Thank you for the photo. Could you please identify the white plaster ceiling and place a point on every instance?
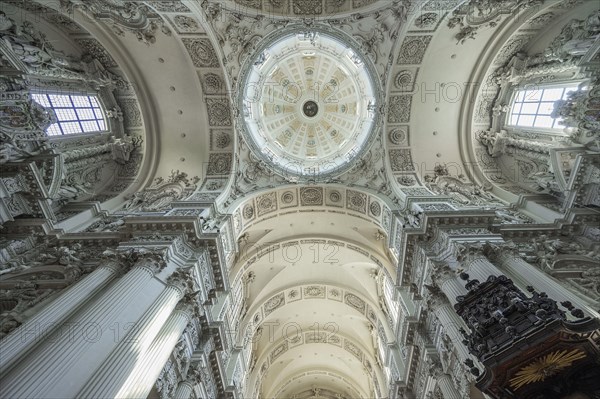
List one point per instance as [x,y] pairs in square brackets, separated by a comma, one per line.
[444,84]
[178,104]
[306,275]
[170,96]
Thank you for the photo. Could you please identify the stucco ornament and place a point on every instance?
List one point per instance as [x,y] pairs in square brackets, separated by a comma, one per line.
[123,16]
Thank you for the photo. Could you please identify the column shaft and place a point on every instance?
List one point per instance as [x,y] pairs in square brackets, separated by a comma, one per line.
[452,288]
[42,324]
[452,323]
[47,365]
[116,368]
[184,390]
[446,385]
[521,271]
[148,368]
[481,268]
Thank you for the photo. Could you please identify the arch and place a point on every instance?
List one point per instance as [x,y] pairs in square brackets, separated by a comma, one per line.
[268,358]
[300,9]
[352,299]
[326,251]
[335,200]
[503,66]
[181,37]
[311,373]
[72,72]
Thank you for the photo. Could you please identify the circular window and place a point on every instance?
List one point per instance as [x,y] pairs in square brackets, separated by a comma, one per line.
[309,104]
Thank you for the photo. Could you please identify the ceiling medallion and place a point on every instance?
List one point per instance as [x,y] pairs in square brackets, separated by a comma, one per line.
[309,103]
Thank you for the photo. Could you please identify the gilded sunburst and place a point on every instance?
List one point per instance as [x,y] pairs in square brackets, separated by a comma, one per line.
[545,366]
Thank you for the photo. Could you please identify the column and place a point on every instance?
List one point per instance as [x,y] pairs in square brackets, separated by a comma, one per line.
[452,323]
[441,302]
[111,375]
[445,278]
[481,268]
[148,368]
[184,390]
[526,274]
[453,288]
[42,324]
[48,364]
[444,381]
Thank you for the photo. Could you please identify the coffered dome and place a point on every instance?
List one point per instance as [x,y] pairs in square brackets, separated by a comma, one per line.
[308,104]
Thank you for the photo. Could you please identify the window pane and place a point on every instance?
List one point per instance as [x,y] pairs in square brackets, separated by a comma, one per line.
[41,99]
[517,108]
[60,101]
[514,119]
[101,124]
[568,90]
[533,95]
[546,108]
[70,127]
[85,113]
[98,112]
[526,120]
[529,108]
[80,101]
[90,126]
[53,130]
[94,102]
[544,121]
[66,114]
[552,94]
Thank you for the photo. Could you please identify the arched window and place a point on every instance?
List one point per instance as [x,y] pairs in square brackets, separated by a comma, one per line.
[76,114]
[532,107]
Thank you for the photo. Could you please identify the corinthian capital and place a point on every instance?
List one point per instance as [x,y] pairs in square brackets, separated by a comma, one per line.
[120,261]
[189,305]
[434,298]
[492,250]
[182,280]
[153,260]
[441,272]
[495,250]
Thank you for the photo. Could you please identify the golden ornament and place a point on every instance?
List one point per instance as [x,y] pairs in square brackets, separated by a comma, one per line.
[545,366]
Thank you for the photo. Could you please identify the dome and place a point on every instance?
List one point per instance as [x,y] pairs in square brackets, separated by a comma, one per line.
[308,103]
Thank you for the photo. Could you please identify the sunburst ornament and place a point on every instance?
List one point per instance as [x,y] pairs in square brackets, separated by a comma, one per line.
[545,366]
